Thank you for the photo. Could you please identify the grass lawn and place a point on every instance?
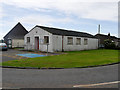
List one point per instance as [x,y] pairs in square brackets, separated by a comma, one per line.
[72,59]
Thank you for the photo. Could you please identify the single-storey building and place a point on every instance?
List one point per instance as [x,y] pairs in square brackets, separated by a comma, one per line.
[15,37]
[53,39]
[103,37]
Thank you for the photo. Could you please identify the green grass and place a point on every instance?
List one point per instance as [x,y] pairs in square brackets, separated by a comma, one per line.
[72,59]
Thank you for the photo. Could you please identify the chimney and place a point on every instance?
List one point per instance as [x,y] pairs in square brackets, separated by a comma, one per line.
[109,34]
[99,29]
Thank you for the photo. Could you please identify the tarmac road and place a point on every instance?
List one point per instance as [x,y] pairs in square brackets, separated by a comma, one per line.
[60,78]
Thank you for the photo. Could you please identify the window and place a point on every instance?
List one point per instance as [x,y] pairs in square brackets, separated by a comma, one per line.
[70,41]
[78,41]
[28,39]
[46,39]
[85,41]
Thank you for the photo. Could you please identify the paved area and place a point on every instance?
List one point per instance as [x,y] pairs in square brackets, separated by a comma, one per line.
[60,78]
[31,55]
[11,54]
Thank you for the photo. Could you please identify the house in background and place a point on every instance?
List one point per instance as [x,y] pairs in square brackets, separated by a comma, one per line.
[103,37]
[53,39]
[15,37]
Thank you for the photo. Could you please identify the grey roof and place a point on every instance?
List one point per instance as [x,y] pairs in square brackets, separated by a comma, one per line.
[56,31]
[105,36]
[17,32]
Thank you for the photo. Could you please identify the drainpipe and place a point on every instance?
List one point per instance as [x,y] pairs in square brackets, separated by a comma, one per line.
[62,43]
[98,43]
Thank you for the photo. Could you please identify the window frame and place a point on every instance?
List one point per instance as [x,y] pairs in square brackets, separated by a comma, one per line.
[47,42]
[86,43]
[68,43]
[28,39]
[79,41]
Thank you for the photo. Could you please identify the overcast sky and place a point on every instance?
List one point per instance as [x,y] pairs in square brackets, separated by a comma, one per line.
[67,14]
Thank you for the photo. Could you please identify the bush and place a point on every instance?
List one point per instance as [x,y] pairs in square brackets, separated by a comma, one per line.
[108,44]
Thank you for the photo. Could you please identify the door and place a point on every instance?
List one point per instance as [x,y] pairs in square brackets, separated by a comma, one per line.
[36,43]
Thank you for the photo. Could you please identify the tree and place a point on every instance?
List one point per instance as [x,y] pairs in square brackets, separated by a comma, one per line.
[1,41]
[109,44]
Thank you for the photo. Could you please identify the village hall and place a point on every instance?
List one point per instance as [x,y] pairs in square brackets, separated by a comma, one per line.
[53,39]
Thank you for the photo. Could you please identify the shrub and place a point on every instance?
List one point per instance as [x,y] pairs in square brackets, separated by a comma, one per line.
[109,44]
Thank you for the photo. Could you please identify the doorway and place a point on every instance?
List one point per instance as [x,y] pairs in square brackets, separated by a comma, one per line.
[36,43]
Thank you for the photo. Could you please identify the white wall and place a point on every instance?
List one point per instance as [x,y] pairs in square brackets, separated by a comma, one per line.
[57,43]
[40,33]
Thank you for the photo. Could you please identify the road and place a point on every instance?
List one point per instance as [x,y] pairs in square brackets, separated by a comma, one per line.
[60,78]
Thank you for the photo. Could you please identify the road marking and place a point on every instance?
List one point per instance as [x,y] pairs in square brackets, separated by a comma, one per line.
[90,85]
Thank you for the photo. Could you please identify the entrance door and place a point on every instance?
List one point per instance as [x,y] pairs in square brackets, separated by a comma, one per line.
[36,43]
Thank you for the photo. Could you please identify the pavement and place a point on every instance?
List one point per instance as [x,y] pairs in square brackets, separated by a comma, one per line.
[60,78]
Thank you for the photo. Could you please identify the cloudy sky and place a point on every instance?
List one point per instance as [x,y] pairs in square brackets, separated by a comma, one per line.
[78,15]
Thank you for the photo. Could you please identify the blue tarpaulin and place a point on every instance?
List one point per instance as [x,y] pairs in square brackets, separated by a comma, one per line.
[30,55]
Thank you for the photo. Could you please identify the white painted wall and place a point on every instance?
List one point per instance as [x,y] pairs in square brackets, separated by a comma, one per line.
[55,42]
[40,33]
[17,43]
